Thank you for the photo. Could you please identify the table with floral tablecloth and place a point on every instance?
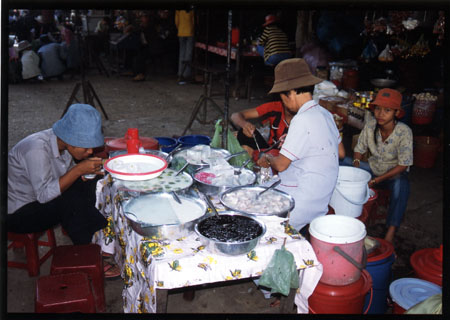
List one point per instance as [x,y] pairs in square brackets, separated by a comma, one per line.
[149,265]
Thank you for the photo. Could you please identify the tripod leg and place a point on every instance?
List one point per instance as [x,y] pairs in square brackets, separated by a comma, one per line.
[72,97]
[194,114]
[98,100]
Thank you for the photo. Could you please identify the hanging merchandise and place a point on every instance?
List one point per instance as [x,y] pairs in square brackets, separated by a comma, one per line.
[410,23]
[419,49]
[439,28]
[386,55]
[370,51]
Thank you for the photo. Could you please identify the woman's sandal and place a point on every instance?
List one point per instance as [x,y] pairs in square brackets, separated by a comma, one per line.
[111,271]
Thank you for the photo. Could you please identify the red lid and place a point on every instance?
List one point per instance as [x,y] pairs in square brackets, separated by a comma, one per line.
[427,260]
[361,286]
[121,143]
[385,250]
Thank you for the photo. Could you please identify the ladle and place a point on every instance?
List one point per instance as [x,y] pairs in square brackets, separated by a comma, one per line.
[273,185]
[182,168]
[238,171]
[210,204]
[172,152]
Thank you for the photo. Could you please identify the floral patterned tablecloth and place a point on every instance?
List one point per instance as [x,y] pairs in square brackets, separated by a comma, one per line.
[150,264]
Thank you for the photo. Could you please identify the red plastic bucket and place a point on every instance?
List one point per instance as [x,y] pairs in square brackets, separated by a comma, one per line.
[338,242]
[427,264]
[364,217]
[423,111]
[370,205]
[425,151]
[341,299]
[121,143]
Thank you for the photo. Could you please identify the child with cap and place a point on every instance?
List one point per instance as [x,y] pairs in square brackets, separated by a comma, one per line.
[391,153]
[45,184]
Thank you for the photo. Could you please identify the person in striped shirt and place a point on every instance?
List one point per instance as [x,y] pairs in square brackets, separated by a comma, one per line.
[273,43]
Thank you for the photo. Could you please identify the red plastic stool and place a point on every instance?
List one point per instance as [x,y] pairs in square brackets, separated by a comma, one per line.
[31,243]
[383,197]
[82,258]
[64,293]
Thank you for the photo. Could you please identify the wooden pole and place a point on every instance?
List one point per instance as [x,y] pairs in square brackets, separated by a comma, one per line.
[227,84]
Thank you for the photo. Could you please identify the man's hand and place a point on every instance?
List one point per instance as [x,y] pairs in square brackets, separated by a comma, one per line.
[248,129]
[90,166]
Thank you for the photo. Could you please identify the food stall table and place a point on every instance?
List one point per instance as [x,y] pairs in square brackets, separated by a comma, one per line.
[151,267]
[236,54]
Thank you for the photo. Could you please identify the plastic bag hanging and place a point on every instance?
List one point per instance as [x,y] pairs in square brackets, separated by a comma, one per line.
[281,273]
[233,145]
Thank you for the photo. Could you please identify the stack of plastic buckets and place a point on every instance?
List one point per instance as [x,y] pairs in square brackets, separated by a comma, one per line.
[427,264]
[379,265]
[338,242]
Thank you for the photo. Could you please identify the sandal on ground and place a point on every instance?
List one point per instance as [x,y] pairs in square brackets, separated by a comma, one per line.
[276,303]
[139,77]
[111,271]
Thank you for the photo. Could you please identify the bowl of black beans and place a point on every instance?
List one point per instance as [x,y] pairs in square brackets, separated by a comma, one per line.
[230,233]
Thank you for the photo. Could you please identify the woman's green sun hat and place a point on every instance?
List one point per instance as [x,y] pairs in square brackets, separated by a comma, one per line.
[81,126]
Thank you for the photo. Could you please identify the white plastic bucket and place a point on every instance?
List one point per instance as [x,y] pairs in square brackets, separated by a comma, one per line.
[333,238]
[351,191]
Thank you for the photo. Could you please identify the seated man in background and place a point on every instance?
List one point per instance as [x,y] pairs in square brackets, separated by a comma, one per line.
[46,186]
[273,43]
[274,113]
[52,57]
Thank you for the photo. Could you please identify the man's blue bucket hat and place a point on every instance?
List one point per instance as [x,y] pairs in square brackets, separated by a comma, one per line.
[81,127]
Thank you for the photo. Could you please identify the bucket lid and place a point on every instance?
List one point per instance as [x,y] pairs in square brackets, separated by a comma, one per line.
[384,250]
[121,143]
[427,260]
[337,229]
[408,292]
[357,288]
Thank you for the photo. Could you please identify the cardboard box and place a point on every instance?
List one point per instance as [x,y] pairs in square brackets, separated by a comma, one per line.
[329,103]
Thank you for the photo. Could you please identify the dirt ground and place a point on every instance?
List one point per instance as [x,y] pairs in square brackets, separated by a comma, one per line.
[161,107]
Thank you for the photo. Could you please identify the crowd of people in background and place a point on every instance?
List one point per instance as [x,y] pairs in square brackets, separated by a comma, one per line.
[52,35]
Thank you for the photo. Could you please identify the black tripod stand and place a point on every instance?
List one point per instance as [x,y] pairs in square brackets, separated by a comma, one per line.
[88,90]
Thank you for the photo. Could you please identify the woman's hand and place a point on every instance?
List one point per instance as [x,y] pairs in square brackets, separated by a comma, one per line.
[372,182]
[248,129]
[263,161]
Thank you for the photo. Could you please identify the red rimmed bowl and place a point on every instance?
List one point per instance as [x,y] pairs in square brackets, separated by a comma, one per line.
[135,167]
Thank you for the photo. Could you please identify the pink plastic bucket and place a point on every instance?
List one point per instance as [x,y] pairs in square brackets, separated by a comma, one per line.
[338,242]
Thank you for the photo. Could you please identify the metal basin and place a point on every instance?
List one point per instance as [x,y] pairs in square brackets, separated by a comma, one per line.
[182,153]
[166,182]
[251,210]
[229,248]
[213,190]
[163,231]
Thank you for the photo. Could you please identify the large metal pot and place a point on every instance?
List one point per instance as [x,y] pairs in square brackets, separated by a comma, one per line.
[229,248]
[213,190]
[163,231]
[250,211]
